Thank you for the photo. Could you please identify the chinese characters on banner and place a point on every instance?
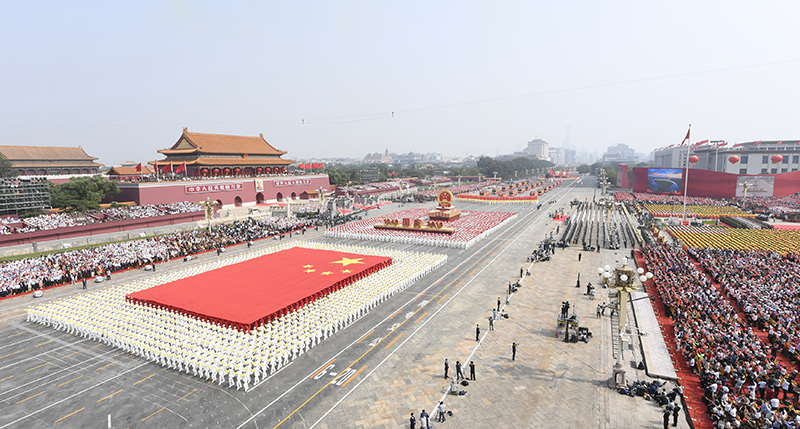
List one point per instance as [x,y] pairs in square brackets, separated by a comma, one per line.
[217,187]
[293,182]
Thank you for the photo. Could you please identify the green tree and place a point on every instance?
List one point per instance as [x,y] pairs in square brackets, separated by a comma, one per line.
[584,168]
[6,170]
[336,176]
[82,194]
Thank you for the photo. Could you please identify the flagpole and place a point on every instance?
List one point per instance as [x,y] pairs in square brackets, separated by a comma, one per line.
[686,176]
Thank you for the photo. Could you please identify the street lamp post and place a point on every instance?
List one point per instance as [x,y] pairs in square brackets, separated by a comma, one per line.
[622,279]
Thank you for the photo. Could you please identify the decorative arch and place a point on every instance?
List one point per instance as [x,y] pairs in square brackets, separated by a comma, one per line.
[279,197]
[237,201]
[259,198]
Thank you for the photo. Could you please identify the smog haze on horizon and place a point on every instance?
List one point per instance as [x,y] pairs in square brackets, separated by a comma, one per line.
[343,79]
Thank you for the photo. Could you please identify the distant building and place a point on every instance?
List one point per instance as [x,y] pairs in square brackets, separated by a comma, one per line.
[221,155]
[50,160]
[562,156]
[128,173]
[753,157]
[383,158]
[539,149]
[620,153]
[369,175]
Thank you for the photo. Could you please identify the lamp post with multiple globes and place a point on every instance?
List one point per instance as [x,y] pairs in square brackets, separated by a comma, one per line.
[622,279]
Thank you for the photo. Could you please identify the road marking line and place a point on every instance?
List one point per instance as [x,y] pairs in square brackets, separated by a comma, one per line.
[151,415]
[354,375]
[48,363]
[391,353]
[254,415]
[398,310]
[120,390]
[96,345]
[7,378]
[98,369]
[440,299]
[14,335]
[70,414]
[365,336]
[11,354]
[322,367]
[73,354]
[70,381]
[186,395]
[143,379]
[420,317]
[46,342]
[459,283]
[473,271]
[395,339]
[19,402]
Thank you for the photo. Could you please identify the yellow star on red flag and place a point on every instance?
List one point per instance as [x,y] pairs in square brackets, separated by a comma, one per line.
[327,273]
[346,271]
[308,266]
[347,261]
[310,270]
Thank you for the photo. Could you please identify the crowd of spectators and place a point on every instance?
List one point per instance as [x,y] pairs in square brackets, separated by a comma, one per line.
[151,210]
[744,384]
[12,224]
[765,285]
[641,197]
[58,268]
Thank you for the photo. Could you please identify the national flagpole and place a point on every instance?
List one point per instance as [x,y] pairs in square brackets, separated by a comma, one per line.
[686,175]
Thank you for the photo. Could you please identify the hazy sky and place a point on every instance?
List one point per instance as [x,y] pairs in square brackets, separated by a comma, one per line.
[123,78]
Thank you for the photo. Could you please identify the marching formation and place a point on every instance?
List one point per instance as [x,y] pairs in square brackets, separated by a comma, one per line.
[221,353]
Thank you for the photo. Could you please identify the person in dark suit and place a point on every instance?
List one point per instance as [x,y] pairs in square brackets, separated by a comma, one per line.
[472,370]
[446,367]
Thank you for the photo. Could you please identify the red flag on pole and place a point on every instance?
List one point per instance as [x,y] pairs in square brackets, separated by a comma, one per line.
[167,168]
[757,143]
[780,142]
[181,168]
[139,168]
[321,165]
[722,144]
[699,143]
[685,139]
[301,166]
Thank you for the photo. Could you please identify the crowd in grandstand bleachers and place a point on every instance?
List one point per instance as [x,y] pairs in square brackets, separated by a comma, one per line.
[152,210]
[11,225]
[53,269]
[745,385]
[641,197]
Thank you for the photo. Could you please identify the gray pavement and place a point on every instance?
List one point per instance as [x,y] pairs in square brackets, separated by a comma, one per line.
[374,372]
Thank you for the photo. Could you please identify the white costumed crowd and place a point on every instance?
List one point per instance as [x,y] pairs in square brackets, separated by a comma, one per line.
[222,354]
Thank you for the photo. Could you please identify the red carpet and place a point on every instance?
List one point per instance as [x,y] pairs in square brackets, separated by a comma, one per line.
[250,293]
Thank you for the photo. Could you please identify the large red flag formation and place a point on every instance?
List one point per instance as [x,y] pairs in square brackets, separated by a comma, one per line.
[305,275]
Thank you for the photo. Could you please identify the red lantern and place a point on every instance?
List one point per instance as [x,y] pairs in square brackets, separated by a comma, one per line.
[776,159]
[693,159]
[734,159]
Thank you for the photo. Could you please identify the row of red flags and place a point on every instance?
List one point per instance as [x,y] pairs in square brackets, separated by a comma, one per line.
[307,165]
[166,169]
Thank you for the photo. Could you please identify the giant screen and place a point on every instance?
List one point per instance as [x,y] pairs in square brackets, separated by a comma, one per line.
[664,180]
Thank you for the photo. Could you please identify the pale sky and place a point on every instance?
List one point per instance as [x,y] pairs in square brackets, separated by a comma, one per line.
[122,79]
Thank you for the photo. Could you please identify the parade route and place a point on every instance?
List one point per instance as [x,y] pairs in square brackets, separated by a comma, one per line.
[375,371]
